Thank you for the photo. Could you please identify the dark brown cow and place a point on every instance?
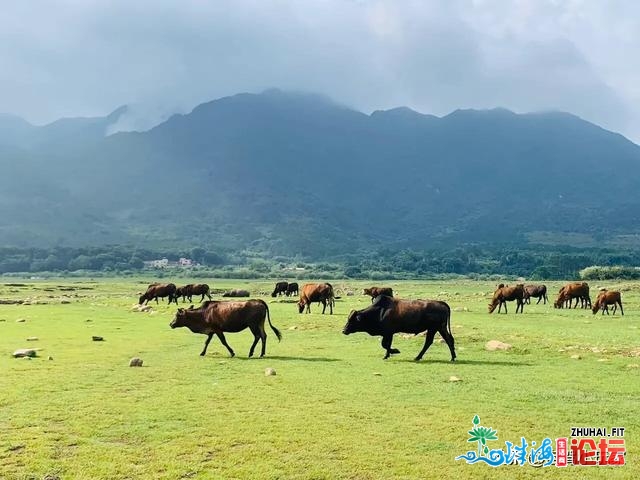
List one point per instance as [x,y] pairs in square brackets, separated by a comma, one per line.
[159,290]
[536,291]
[236,293]
[316,292]
[292,289]
[388,315]
[373,292]
[214,317]
[187,291]
[281,288]
[504,294]
[575,290]
[606,298]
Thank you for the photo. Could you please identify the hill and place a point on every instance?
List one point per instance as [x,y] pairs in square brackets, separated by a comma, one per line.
[297,174]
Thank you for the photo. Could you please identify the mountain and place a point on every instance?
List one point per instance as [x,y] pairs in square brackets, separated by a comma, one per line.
[298,174]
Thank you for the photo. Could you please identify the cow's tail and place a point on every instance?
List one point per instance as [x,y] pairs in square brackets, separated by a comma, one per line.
[332,295]
[275,330]
[449,320]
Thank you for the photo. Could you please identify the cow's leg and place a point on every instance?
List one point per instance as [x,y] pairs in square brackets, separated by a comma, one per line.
[539,298]
[386,344]
[263,336]
[331,306]
[521,305]
[157,300]
[224,342]
[206,344]
[505,306]
[309,307]
[427,343]
[450,341]
[621,311]
[324,306]
[208,295]
[256,336]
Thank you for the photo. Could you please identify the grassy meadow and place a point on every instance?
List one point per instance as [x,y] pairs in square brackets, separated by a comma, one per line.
[335,409]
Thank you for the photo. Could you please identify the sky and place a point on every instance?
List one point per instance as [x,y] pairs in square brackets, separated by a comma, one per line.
[86,57]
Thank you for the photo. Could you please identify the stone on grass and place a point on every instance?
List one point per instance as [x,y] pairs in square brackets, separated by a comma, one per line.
[453,378]
[576,357]
[293,327]
[97,338]
[493,345]
[377,374]
[268,372]
[49,357]
[24,352]
[135,362]
[32,339]
[20,320]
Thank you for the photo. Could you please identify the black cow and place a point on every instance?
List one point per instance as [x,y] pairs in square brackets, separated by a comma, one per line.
[388,315]
[281,288]
[292,289]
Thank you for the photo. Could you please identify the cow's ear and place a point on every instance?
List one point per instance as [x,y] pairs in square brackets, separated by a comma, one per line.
[190,307]
[181,310]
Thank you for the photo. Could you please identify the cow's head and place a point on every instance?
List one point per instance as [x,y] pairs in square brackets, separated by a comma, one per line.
[493,305]
[366,291]
[369,319]
[142,298]
[301,305]
[180,319]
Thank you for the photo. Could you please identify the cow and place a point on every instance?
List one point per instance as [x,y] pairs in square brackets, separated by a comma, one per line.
[215,317]
[504,294]
[387,316]
[537,291]
[292,289]
[187,291]
[159,290]
[606,298]
[316,292]
[236,293]
[577,290]
[373,292]
[281,288]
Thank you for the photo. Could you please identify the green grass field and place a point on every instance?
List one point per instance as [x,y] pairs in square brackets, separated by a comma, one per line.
[334,410]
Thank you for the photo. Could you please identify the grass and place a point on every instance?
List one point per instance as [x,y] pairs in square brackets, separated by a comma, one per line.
[334,410]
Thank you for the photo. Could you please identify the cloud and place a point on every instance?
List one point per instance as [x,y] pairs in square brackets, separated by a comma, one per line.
[71,58]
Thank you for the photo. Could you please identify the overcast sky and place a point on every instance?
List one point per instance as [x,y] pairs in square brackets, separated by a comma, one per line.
[87,57]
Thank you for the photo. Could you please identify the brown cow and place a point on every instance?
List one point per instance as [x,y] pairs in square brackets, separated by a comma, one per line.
[316,292]
[606,298]
[281,287]
[292,289]
[504,294]
[214,317]
[236,293]
[373,292]
[187,291]
[159,290]
[536,291]
[577,290]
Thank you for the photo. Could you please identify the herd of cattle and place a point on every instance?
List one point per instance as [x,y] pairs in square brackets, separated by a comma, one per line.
[384,317]
[578,291]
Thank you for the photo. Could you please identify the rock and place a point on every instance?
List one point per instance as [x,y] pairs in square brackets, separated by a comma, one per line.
[576,357]
[65,302]
[20,320]
[603,359]
[24,352]
[88,320]
[49,357]
[268,372]
[453,378]
[293,327]
[32,339]
[633,365]
[135,362]
[96,338]
[3,319]
[350,294]
[493,345]
[377,374]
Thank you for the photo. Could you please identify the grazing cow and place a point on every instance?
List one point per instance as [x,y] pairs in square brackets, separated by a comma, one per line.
[292,289]
[537,291]
[373,292]
[236,293]
[159,290]
[281,288]
[504,294]
[188,291]
[214,317]
[606,298]
[388,315]
[577,290]
[316,292]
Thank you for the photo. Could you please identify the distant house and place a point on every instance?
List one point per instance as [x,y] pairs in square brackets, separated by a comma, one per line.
[162,263]
[186,262]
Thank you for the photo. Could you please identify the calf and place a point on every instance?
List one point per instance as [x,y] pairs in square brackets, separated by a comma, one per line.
[292,289]
[606,298]
[504,294]
[373,292]
[536,291]
[387,316]
[214,317]
[316,292]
